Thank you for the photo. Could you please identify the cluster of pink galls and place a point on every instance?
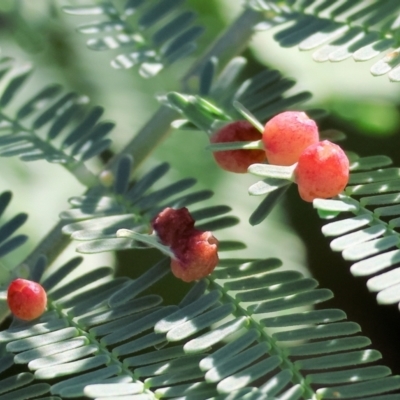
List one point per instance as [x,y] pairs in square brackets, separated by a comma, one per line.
[322,169]
[195,251]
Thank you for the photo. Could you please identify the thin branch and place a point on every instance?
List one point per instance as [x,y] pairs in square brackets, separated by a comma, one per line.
[229,44]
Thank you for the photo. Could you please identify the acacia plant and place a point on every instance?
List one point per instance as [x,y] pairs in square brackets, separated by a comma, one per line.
[257,327]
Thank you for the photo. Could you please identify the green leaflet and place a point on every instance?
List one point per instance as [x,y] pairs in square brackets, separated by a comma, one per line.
[201,389]
[36,329]
[348,376]
[15,382]
[197,324]
[131,307]
[226,352]
[68,368]
[66,357]
[137,326]
[173,352]
[42,340]
[346,225]
[51,349]
[37,389]
[113,389]
[305,317]
[329,330]
[364,250]
[188,312]
[205,341]
[248,375]
[360,236]
[173,367]
[234,364]
[387,384]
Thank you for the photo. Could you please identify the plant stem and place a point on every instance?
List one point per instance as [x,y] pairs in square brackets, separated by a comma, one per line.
[51,246]
[230,43]
[83,174]
[287,363]
[147,138]
[77,168]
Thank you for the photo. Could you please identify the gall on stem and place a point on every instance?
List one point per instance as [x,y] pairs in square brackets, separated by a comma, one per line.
[286,135]
[26,299]
[237,160]
[322,171]
[196,252]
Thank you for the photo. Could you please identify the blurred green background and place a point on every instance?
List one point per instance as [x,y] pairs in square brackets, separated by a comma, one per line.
[364,107]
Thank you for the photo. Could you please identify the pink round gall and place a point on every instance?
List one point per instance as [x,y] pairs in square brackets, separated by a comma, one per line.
[286,135]
[237,160]
[26,299]
[195,251]
[196,257]
[322,171]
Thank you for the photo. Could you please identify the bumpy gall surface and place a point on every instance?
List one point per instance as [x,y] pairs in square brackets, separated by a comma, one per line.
[26,299]
[286,135]
[195,251]
[322,171]
[171,224]
[196,257]
[237,160]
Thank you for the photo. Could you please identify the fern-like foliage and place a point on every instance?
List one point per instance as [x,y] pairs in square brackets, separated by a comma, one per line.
[152,35]
[118,217]
[263,95]
[9,242]
[367,232]
[257,99]
[371,237]
[337,30]
[52,125]
[107,338]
